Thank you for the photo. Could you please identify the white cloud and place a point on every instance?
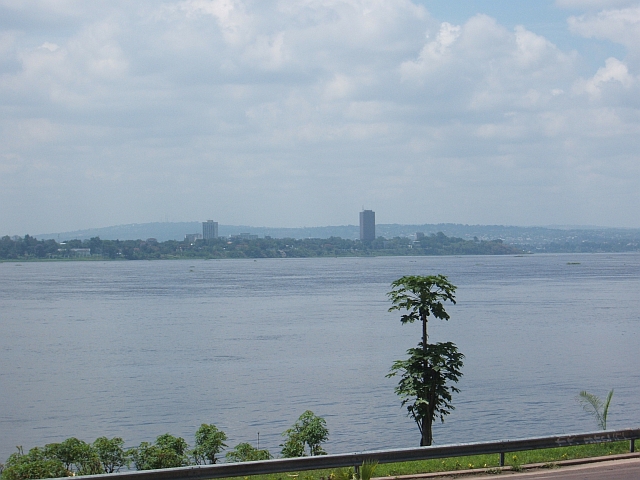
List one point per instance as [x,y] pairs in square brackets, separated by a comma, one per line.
[96,51]
[594,4]
[72,74]
[432,55]
[311,102]
[340,86]
[485,66]
[535,52]
[620,25]
[52,47]
[614,72]
[230,15]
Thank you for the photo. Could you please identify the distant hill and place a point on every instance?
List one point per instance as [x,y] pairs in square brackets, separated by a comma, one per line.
[163,231]
[541,239]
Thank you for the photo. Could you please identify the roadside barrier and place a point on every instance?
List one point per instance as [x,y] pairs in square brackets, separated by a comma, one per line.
[282,465]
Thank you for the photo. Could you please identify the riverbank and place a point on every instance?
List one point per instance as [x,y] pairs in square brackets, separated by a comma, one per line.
[30,248]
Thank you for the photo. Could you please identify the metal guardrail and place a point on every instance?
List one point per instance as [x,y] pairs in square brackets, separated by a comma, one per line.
[282,465]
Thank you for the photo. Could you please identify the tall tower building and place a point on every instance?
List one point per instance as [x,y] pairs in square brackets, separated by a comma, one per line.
[209,229]
[367,225]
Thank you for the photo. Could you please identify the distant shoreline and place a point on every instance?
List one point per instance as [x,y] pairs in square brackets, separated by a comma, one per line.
[246,246]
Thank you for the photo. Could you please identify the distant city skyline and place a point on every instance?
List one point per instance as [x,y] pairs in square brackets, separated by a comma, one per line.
[477,112]
[353,225]
[512,234]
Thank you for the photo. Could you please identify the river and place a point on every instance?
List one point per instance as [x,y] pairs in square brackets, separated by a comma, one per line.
[138,349]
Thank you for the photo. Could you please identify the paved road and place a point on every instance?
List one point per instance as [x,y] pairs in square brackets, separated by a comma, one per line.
[611,470]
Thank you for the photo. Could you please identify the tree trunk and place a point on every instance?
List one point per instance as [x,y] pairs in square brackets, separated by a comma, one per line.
[423,317]
[427,436]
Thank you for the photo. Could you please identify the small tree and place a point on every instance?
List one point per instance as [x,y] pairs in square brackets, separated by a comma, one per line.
[309,430]
[111,453]
[245,452]
[76,455]
[596,407]
[35,464]
[209,443]
[167,452]
[425,384]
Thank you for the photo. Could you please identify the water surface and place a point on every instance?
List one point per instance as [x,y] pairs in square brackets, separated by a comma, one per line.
[137,349]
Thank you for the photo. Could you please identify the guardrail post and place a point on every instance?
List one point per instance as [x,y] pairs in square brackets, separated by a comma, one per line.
[357,471]
[632,445]
[502,459]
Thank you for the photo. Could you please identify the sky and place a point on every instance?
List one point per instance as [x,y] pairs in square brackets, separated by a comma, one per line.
[302,112]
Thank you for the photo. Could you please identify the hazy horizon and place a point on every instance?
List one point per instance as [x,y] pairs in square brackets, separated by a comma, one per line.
[303,112]
[52,234]
[178,229]
[560,227]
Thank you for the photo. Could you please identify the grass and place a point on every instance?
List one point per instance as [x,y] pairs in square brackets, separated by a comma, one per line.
[515,459]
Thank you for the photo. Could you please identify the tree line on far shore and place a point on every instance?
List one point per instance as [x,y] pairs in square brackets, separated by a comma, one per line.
[30,248]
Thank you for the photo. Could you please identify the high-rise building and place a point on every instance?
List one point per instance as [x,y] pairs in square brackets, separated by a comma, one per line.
[209,229]
[367,225]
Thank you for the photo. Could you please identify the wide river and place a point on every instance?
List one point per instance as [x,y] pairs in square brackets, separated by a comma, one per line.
[137,349]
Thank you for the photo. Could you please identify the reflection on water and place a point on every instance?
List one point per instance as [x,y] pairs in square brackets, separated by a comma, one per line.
[137,349]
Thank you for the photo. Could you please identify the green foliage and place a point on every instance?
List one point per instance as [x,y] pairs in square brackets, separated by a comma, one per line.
[175,444]
[292,447]
[425,383]
[515,463]
[167,452]
[596,407]
[309,430]
[542,456]
[111,453]
[34,464]
[485,463]
[421,297]
[347,473]
[30,468]
[238,247]
[76,455]
[366,471]
[425,377]
[245,452]
[209,443]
